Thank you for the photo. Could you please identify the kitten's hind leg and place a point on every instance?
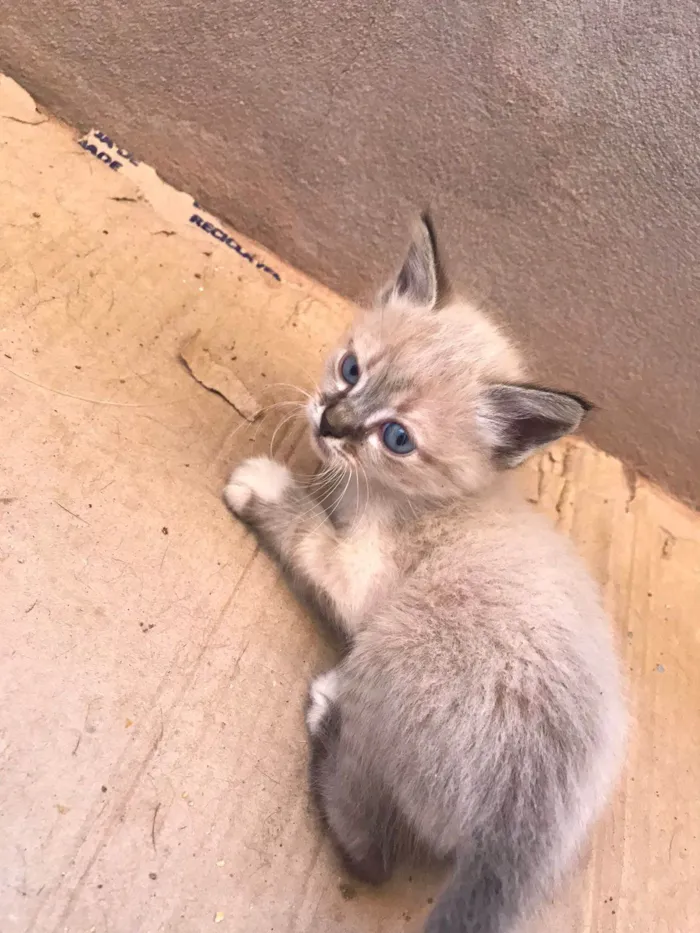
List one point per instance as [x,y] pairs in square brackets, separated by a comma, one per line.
[322,711]
[356,817]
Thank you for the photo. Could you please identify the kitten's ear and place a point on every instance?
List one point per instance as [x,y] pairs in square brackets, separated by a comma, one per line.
[420,282]
[517,419]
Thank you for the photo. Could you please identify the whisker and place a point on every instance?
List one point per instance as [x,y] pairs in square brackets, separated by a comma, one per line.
[318,503]
[322,468]
[328,515]
[317,479]
[287,385]
[268,411]
[309,377]
[358,520]
[294,414]
[260,420]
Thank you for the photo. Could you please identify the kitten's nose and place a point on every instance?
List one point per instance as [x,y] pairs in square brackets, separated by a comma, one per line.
[330,425]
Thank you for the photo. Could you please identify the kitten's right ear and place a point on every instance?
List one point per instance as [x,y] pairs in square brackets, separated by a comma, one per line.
[420,282]
[516,420]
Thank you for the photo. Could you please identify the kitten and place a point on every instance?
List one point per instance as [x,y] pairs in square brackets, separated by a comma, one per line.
[477,712]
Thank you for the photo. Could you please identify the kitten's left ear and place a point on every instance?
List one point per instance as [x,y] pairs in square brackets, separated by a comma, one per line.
[420,282]
[516,420]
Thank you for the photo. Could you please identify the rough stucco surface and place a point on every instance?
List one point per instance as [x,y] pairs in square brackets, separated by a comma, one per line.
[558,144]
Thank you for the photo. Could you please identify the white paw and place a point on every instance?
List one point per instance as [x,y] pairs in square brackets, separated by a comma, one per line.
[259,478]
[323,693]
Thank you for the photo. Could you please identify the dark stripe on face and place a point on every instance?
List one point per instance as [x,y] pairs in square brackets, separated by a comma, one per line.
[352,411]
[380,392]
[438,465]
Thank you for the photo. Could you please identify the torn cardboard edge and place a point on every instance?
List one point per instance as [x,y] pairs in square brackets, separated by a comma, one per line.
[207,369]
[177,207]
[183,215]
[17,105]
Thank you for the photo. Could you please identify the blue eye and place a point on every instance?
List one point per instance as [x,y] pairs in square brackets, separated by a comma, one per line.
[350,369]
[397,438]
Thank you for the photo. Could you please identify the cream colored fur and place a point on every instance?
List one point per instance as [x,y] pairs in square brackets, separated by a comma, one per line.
[477,712]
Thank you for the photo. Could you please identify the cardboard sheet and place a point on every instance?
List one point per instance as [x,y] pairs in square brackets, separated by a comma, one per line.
[153,665]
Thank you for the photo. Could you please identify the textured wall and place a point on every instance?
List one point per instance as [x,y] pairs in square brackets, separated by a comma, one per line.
[558,143]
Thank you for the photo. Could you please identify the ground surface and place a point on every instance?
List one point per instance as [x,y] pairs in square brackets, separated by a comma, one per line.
[152,664]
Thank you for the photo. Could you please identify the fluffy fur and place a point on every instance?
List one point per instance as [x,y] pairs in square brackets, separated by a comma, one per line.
[476,714]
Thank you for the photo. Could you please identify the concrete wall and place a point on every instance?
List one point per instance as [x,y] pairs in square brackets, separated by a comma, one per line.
[558,143]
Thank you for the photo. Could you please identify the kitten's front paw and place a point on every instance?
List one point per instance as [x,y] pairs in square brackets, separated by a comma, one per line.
[258,479]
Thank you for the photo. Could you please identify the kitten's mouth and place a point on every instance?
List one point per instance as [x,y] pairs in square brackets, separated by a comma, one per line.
[322,446]
[313,412]
[327,448]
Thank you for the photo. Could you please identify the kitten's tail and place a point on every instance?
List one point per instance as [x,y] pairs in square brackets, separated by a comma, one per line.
[491,889]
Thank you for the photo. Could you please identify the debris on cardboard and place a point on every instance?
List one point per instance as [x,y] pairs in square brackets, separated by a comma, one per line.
[210,372]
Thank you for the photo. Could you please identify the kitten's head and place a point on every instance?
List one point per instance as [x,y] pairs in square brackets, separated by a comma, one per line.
[425,397]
